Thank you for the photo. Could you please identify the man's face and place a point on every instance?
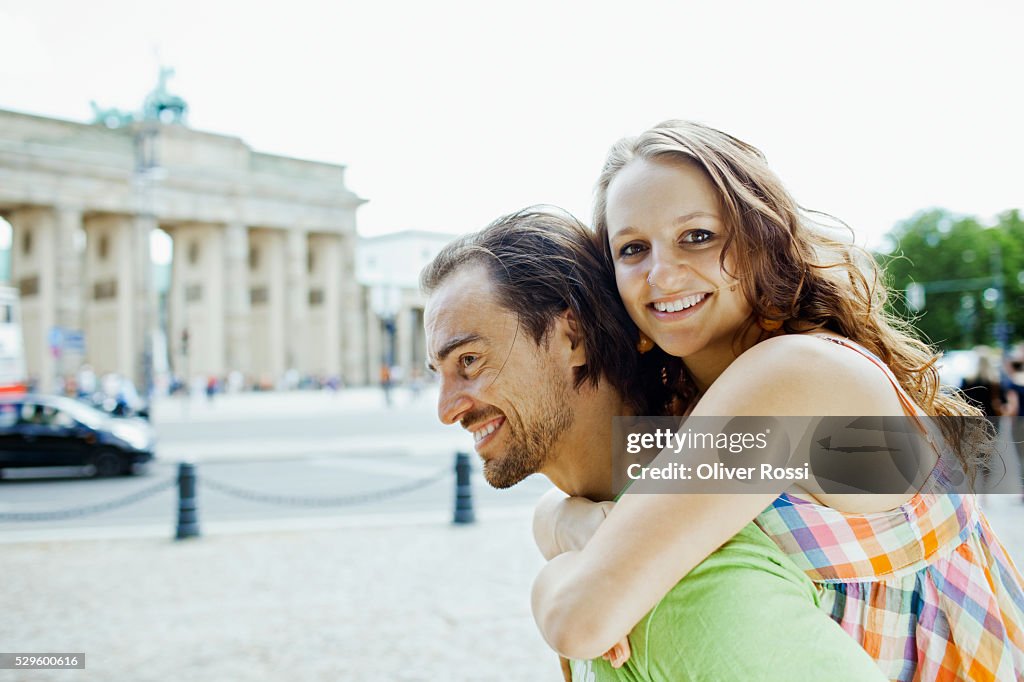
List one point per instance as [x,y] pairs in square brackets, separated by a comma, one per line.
[512,394]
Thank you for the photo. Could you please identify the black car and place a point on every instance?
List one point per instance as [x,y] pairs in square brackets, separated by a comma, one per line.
[44,430]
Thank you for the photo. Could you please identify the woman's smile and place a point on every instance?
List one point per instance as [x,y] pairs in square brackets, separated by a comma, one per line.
[678,308]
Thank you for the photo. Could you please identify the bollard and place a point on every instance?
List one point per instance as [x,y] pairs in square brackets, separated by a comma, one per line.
[188,517]
[463,490]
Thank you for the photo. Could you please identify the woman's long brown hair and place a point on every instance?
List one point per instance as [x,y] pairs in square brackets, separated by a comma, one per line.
[797,268]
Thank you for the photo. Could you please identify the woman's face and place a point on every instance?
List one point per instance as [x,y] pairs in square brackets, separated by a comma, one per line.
[666,233]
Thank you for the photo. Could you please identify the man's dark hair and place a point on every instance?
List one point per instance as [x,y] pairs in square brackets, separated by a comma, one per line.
[542,262]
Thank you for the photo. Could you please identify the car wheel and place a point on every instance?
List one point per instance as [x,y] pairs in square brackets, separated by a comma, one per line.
[106,463]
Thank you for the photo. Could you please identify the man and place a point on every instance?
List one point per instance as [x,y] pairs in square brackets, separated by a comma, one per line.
[535,357]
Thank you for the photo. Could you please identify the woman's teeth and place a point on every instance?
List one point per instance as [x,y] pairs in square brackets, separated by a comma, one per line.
[679,304]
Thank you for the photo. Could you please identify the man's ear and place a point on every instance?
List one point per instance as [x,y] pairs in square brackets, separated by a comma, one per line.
[569,326]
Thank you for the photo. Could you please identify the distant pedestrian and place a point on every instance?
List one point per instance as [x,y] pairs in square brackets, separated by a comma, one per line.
[385,382]
[1015,402]
[86,381]
[211,388]
[984,388]
[416,382]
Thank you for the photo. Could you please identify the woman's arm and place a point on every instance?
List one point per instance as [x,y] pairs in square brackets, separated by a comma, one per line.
[586,601]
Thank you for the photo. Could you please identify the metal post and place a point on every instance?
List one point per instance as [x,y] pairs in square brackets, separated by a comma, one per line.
[188,516]
[463,490]
[1002,326]
[147,171]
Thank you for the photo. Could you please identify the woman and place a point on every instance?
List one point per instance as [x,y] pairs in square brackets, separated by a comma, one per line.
[984,388]
[1015,403]
[745,307]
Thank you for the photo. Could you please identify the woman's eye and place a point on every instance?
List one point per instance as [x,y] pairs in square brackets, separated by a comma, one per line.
[698,236]
[631,250]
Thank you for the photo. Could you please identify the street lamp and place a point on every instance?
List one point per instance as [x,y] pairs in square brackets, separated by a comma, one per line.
[385,301]
[1002,326]
[146,173]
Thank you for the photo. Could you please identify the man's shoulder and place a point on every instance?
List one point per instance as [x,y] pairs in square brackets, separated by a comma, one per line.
[699,613]
[745,610]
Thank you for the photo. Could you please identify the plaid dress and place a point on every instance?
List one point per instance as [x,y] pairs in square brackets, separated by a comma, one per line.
[926,588]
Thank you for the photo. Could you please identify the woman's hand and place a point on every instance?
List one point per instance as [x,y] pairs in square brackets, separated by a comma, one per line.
[566,524]
[618,654]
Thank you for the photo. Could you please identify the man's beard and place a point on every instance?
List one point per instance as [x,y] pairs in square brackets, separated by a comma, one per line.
[529,445]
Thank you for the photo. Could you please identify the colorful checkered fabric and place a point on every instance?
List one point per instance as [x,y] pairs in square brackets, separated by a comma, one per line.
[926,588]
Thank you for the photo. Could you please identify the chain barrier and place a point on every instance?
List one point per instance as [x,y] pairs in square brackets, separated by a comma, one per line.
[75,512]
[234,491]
[336,501]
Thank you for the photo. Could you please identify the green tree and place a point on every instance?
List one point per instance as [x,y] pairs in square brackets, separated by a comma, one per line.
[955,258]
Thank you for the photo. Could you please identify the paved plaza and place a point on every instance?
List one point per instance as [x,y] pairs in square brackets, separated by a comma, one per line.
[376,597]
[404,602]
[399,600]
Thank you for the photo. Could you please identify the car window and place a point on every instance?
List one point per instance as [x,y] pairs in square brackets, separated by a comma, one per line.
[45,415]
[32,413]
[63,420]
[8,415]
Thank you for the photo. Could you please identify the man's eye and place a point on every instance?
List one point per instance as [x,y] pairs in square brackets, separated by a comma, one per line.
[698,236]
[631,250]
[467,360]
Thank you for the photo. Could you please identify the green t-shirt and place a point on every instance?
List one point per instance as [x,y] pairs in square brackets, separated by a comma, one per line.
[745,613]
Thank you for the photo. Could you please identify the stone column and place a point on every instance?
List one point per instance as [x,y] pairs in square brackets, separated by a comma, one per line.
[70,255]
[109,276]
[330,250]
[236,292]
[71,261]
[34,271]
[199,271]
[296,265]
[354,319]
[404,336]
[277,319]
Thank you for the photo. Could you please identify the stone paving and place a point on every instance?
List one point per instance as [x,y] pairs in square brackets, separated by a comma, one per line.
[408,602]
[407,599]
[418,601]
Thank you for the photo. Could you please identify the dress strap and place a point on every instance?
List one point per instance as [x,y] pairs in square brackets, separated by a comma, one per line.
[909,408]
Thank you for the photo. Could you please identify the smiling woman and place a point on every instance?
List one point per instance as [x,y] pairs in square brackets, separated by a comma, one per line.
[754,309]
[672,272]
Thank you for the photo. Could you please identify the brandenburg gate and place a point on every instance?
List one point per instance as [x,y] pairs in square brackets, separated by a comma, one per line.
[262,277]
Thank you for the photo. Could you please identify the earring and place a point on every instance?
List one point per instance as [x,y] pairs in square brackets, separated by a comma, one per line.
[768,324]
[644,343]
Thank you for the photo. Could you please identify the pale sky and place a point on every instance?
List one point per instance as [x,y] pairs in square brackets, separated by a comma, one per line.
[449,114]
